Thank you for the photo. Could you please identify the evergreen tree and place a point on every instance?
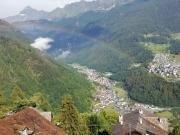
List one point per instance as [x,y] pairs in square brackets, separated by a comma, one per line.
[83,128]
[18,99]
[103,122]
[3,107]
[71,120]
[176,131]
[2,98]
[94,124]
[18,95]
[108,118]
[40,101]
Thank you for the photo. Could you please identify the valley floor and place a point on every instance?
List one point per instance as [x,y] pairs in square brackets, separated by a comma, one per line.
[109,93]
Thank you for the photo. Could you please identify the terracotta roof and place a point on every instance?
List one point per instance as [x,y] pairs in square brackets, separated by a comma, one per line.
[28,119]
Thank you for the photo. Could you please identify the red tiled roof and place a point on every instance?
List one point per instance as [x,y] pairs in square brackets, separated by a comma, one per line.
[30,119]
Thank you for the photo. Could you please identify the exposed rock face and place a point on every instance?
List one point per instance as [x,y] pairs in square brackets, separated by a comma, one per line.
[164,65]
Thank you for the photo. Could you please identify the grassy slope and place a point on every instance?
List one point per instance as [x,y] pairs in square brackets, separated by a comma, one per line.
[157,48]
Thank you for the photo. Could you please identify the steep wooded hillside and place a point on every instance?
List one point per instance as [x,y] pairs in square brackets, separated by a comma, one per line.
[33,72]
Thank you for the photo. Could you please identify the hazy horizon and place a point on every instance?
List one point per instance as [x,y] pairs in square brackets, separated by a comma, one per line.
[13,7]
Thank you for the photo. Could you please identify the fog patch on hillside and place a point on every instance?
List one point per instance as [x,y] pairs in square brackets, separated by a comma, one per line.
[43,44]
[63,55]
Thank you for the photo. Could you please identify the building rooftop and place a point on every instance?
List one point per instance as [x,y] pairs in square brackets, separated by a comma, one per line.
[28,122]
[142,122]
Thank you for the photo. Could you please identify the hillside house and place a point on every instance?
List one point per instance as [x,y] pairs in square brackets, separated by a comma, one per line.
[47,115]
[141,122]
[28,122]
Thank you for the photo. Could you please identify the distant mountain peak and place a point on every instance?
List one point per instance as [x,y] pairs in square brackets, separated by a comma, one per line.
[2,22]
[27,9]
[28,13]
[70,10]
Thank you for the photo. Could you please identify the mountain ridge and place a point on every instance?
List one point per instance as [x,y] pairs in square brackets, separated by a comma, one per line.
[70,10]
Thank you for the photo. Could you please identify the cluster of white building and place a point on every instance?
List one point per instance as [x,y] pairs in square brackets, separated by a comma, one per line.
[105,95]
[103,98]
[164,65]
[93,76]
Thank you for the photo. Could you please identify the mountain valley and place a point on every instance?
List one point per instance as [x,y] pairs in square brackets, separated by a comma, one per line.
[101,59]
[116,40]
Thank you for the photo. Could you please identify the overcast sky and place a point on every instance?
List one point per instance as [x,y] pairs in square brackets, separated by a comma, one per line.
[12,7]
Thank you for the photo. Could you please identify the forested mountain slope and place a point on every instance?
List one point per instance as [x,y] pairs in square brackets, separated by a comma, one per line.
[33,72]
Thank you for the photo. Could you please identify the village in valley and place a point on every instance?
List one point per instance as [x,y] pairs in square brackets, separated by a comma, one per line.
[90,67]
[133,116]
[107,93]
[165,66]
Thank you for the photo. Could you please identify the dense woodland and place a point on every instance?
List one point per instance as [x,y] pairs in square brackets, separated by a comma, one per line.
[138,81]
[175,47]
[34,72]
